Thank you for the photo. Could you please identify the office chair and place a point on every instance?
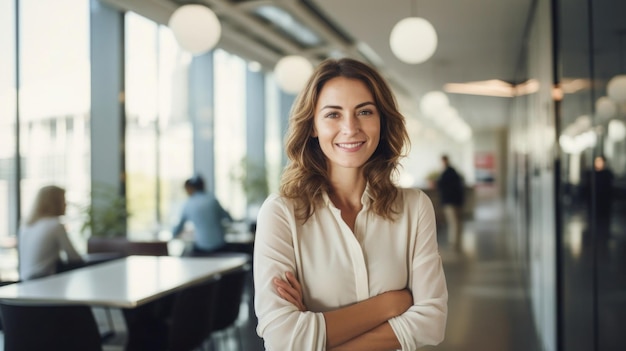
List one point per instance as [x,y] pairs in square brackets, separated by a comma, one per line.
[47,327]
[191,320]
[230,292]
[3,283]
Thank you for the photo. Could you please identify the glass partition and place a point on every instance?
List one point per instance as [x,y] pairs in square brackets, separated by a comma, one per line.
[230,131]
[159,155]
[8,181]
[54,103]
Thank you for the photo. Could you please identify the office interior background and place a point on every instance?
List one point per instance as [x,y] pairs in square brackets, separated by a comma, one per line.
[97,96]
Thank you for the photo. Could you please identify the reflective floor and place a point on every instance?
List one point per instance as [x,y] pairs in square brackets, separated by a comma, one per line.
[488,309]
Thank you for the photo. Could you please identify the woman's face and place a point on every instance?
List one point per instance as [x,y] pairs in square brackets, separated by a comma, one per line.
[346,122]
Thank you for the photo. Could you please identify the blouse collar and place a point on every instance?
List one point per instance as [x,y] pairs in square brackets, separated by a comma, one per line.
[366,198]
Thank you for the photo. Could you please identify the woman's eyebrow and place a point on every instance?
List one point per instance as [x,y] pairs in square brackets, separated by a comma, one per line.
[339,107]
[364,104]
[336,107]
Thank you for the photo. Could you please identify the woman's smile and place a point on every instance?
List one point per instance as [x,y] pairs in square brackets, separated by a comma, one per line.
[355,146]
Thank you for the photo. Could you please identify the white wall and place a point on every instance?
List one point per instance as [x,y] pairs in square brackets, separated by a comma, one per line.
[427,146]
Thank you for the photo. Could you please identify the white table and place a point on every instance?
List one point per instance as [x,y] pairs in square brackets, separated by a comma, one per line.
[123,283]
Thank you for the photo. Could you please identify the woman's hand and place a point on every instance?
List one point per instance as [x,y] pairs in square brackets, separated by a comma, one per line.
[290,290]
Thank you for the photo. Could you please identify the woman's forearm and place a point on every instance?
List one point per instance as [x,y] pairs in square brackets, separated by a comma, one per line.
[381,338]
[349,322]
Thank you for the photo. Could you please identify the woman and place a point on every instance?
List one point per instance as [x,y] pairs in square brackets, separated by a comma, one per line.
[344,259]
[43,237]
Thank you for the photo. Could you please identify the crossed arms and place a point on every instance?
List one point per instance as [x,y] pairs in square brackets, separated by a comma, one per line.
[361,326]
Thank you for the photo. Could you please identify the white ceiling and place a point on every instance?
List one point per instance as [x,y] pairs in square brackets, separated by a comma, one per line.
[477,40]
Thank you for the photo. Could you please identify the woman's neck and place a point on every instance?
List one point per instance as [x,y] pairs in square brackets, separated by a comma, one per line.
[347,189]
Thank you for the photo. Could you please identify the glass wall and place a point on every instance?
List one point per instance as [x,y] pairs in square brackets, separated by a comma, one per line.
[532,186]
[175,151]
[8,140]
[592,52]
[568,189]
[54,103]
[158,132]
[48,122]
[230,131]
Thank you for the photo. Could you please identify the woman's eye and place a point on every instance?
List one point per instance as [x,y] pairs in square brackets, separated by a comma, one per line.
[365,112]
[332,115]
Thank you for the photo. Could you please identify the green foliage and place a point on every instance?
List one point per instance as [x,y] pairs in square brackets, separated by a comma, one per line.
[107,214]
[251,175]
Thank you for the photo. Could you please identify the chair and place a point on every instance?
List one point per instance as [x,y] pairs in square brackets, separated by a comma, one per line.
[46,327]
[230,293]
[3,283]
[191,321]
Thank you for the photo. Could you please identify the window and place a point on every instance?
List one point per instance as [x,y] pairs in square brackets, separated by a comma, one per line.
[7,120]
[230,130]
[54,102]
[159,155]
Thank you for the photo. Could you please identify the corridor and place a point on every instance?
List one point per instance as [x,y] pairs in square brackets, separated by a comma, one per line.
[488,308]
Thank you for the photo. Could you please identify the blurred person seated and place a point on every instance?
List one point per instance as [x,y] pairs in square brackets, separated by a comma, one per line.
[207,216]
[43,240]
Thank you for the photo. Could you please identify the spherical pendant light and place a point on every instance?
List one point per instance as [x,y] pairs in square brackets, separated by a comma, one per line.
[196,28]
[433,102]
[605,107]
[413,40]
[616,88]
[292,73]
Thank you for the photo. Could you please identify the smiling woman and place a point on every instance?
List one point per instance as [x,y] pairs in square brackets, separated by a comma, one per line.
[346,124]
[345,259]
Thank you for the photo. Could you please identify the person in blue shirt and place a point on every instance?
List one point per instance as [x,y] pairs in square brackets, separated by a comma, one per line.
[207,216]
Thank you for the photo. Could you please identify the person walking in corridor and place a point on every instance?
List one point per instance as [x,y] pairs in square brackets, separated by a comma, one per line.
[451,189]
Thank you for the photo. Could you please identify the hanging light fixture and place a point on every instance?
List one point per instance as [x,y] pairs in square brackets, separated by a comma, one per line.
[616,88]
[196,28]
[292,72]
[434,102]
[606,107]
[413,40]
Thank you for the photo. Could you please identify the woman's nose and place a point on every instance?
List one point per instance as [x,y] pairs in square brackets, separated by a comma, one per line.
[351,125]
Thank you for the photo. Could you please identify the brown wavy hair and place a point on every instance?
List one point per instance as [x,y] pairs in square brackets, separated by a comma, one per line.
[306,176]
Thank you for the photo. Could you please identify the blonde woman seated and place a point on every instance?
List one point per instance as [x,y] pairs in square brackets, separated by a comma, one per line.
[344,259]
[43,237]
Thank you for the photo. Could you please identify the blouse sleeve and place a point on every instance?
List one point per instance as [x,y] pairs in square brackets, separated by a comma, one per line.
[281,324]
[66,245]
[425,322]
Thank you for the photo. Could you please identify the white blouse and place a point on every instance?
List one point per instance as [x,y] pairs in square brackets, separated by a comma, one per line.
[40,246]
[337,268]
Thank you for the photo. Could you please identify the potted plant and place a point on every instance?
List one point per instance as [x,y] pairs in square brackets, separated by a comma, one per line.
[252,177]
[106,215]
[105,220]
